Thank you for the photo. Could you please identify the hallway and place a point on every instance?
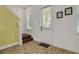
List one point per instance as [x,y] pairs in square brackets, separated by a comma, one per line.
[51,24]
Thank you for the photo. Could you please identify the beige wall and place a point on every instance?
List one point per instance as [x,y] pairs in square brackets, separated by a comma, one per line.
[8,27]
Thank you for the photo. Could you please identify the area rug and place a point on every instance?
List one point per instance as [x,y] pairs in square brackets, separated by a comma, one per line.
[44,45]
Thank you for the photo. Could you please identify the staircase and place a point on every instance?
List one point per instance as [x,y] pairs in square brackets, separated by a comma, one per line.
[26,38]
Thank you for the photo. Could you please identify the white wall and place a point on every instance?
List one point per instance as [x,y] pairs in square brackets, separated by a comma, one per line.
[62,32]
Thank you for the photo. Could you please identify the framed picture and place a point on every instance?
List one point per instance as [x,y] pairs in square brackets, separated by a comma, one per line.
[68,11]
[59,14]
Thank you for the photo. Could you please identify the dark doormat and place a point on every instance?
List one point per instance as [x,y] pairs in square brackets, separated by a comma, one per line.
[44,45]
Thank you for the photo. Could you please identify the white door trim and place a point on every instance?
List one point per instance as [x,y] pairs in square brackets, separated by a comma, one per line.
[20,32]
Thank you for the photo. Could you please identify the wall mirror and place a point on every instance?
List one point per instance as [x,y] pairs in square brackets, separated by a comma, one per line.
[28,12]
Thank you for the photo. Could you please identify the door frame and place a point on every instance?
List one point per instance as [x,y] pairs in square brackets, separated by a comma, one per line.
[20,32]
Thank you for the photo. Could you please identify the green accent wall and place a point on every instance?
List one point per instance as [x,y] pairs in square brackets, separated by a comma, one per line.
[8,27]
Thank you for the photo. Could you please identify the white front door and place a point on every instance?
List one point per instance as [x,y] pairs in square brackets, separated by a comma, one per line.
[46,25]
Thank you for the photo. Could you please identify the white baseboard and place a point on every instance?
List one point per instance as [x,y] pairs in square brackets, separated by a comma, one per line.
[7,46]
[72,50]
[35,39]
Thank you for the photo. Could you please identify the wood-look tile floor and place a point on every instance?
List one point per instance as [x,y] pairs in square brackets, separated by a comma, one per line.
[32,47]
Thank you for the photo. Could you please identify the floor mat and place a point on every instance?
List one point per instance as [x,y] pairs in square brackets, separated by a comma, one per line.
[44,45]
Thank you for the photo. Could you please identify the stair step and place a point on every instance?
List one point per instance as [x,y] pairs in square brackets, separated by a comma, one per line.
[23,35]
[26,38]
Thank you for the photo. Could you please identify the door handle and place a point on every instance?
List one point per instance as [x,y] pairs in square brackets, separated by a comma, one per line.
[41,28]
